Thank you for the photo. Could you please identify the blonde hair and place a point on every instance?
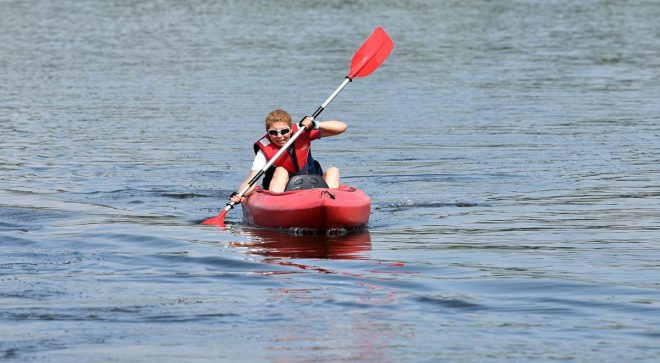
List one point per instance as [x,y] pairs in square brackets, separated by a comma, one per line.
[278,115]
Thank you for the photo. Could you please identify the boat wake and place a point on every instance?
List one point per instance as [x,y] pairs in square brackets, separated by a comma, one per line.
[409,204]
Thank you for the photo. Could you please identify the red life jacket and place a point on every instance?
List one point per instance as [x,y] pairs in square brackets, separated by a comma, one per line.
[301,147]
[303,155]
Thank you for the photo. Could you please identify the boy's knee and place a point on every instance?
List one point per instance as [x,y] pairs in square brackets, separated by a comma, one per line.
[281,170]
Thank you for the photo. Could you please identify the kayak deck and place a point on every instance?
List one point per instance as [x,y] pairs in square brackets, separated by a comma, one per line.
[319,208]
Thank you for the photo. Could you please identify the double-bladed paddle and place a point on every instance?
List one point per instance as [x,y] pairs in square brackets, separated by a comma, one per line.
[368,57]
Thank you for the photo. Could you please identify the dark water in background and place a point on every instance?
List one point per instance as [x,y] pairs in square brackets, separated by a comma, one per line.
[511,150]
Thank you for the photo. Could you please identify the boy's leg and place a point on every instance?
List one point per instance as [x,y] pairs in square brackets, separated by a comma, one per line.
[331,177]
[279,181]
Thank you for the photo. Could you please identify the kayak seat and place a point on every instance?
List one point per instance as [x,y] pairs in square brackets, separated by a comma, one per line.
[300,182]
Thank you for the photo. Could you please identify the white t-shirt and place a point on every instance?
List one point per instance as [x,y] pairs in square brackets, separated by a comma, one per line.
[259,161]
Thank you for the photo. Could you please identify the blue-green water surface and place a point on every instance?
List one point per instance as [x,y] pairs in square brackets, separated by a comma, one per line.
[511,150]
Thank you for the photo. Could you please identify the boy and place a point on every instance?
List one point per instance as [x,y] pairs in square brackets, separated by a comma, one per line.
[298,161]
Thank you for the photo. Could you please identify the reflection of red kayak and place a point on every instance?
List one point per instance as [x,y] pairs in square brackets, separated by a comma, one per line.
[278,243]
[318,208]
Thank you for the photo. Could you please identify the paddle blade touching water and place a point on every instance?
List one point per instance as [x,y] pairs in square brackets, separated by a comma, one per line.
[371,54]
[218,220]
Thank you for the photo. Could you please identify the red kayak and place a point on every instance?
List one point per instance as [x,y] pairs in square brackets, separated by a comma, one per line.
[319,208]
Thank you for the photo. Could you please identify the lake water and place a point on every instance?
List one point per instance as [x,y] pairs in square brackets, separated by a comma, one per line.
[511,150]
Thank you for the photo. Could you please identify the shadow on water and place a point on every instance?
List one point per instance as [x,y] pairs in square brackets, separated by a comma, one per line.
[282,243]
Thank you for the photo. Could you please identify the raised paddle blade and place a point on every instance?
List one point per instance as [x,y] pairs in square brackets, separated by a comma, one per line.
[371,54]
[218,220]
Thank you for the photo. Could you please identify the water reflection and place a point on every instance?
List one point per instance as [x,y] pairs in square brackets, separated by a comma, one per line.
[295,244]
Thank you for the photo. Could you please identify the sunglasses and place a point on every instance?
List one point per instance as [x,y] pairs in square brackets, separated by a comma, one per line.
[283,131]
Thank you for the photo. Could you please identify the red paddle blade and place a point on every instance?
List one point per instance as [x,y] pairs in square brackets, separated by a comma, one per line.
[218,220]
[371,54]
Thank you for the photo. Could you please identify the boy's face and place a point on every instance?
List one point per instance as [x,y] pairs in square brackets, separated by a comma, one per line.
[279,133]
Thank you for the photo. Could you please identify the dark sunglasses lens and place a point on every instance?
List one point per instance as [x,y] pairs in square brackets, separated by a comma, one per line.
[282,131]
